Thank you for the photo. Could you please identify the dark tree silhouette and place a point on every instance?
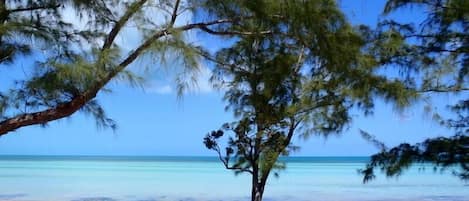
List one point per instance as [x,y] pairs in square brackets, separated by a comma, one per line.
[435,52]
[301,81]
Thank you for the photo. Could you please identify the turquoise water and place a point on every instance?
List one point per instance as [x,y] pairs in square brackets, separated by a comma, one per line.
[72,178]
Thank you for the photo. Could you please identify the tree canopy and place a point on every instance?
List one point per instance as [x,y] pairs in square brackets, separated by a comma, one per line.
[76,62]
[434,54]
[295,68]
[300,80]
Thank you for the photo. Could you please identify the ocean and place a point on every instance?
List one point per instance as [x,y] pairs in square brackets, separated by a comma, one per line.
[142,178]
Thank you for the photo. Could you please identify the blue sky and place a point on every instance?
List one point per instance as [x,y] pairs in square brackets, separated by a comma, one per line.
[155,122]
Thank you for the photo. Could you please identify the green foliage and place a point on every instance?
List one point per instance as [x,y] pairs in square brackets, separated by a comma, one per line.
[443,152]
[75,61]
[28,25]
[300,79]
[38,26]
[80,61]
[188,56]
[262,90]
[437,47]
[435,53]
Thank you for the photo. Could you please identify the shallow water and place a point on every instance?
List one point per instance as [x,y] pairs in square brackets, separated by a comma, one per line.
[72,178]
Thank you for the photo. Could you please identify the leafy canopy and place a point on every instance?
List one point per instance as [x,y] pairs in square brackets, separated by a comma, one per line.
[76,61]
[434,53]
[300,73]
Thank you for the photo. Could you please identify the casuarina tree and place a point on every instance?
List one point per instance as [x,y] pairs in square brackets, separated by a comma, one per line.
[75,51]
[300,82]
[433,55]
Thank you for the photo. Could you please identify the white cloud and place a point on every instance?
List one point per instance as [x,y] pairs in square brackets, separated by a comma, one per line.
[167,85]
[203,84]
[161,78]
[165,89]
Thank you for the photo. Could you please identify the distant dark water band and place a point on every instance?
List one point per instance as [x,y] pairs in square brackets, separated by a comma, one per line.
[313,159]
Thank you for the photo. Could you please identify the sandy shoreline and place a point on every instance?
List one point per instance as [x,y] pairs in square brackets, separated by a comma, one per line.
[25,197]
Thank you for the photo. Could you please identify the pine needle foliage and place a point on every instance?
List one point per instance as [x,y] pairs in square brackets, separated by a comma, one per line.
[298,73]
[74,61]
[435,53]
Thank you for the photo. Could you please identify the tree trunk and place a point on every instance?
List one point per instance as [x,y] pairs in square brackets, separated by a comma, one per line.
[257,191]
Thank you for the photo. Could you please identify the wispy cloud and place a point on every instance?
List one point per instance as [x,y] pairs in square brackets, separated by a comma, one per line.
[203,84]
[165,89]
[167,85]
[160,76]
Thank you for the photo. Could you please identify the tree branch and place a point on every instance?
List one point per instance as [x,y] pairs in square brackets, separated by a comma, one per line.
[68,108]
[226,162]
[246,33]
[120,24]
[175,13]
[443,90]
[54,6]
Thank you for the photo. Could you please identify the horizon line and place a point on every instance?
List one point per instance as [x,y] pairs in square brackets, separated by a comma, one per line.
[100,155]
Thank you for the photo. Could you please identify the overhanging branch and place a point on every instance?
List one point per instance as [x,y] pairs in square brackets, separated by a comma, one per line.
[42,7]
[70,107]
